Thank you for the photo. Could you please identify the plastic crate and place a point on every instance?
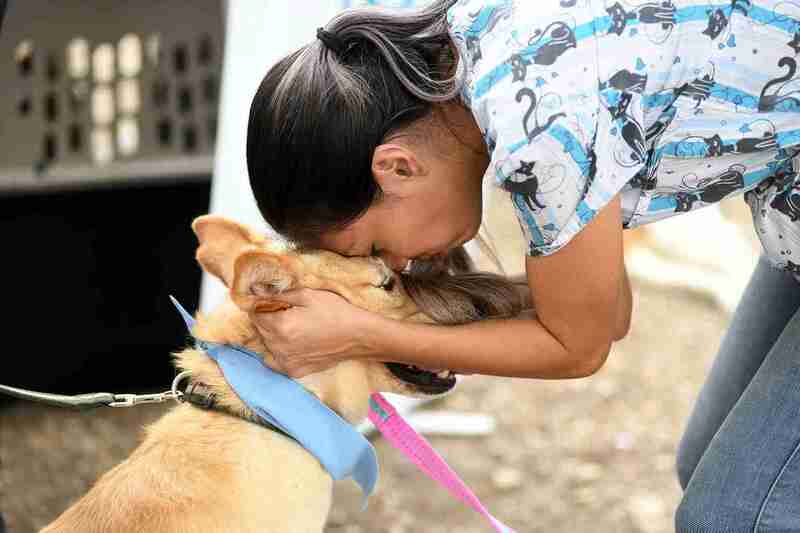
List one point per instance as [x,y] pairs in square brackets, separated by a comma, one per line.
[103,92]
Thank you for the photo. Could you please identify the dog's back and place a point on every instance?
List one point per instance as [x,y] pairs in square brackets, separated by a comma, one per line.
[203,471]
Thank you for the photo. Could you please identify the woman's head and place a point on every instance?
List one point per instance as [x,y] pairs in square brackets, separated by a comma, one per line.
[355,140]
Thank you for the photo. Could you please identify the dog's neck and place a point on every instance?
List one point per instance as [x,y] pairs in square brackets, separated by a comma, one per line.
[209,468]
[229,325]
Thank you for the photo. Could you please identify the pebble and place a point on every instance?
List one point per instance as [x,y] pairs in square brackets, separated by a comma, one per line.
[505,478]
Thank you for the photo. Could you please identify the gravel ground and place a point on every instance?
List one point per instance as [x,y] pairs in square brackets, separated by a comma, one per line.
[589,455]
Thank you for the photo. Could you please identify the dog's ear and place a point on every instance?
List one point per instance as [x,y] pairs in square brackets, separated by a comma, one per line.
[221,242]
[259,276]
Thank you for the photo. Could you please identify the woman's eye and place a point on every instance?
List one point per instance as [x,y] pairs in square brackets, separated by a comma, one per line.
[374,251]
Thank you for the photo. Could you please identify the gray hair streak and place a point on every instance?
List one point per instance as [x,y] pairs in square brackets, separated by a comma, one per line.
[320,112]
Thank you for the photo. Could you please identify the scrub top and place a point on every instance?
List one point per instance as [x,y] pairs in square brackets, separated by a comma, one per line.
[673,105]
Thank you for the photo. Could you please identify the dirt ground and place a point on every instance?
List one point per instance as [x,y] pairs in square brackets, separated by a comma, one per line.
[594,454]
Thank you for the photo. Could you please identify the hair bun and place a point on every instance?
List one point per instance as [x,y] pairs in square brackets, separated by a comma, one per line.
[331,40]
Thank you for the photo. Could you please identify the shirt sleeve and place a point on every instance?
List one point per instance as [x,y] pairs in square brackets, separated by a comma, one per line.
[579,158]
[564,139]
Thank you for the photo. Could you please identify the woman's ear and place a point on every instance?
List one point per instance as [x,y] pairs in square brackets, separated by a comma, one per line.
[393,165]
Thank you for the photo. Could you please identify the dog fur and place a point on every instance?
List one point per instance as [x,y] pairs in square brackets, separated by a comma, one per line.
[203,471]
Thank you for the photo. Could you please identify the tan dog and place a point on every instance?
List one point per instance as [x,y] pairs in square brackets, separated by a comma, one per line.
[206,471]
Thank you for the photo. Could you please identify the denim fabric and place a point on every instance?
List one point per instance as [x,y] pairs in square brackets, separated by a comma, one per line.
[739,459]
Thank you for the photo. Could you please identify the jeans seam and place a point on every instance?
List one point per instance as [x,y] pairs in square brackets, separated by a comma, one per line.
[792,455]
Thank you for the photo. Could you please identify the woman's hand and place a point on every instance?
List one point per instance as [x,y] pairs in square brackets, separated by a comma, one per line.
[318,331]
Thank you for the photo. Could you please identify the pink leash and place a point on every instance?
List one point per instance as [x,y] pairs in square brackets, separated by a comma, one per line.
[421,453]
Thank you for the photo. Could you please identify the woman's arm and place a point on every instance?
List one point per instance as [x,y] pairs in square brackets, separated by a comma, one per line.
[512,348]
[520,282]
[623,313]
[625,306]
[582,301]
[580,297]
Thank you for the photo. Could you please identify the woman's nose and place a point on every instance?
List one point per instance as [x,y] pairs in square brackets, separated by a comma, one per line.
[395,262]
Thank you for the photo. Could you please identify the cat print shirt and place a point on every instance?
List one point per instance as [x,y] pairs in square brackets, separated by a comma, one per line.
[673,104]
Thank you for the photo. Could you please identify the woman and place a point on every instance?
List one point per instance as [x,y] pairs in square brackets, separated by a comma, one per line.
[596,116]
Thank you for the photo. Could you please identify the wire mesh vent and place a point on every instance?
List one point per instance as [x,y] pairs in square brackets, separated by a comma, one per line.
[100,90]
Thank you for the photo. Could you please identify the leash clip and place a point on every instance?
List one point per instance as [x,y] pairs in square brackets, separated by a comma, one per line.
[130,400]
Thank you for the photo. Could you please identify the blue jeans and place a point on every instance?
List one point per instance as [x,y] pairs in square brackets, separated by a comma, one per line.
[739,458]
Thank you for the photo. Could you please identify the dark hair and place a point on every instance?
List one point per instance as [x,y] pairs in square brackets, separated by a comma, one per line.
[319,114]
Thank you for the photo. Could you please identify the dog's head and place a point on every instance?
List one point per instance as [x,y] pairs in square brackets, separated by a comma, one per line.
[256,270]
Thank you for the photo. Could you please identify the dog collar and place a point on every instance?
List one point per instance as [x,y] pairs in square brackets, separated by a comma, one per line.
[201,395]
[282,402]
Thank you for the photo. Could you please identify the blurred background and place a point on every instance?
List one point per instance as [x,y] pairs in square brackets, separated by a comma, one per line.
[123,120]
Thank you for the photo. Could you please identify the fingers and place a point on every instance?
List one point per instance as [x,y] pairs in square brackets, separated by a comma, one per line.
[277,331]
[267,324]
[296,297]
[296,372]
[306,338]
[269,321]
[297,367]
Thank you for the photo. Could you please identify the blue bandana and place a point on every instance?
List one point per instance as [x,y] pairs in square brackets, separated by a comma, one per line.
[284,403]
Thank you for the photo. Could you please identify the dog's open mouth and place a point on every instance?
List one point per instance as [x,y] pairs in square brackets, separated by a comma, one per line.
[423,380]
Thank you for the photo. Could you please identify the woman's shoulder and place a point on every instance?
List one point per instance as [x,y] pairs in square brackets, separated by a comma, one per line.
[475,19]
[527,65]
[534,86]
[481,14]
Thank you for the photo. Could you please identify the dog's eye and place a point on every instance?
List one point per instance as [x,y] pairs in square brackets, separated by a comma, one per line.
[388,285]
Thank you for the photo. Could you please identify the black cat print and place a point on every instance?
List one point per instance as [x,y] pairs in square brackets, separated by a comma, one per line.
[675,104]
